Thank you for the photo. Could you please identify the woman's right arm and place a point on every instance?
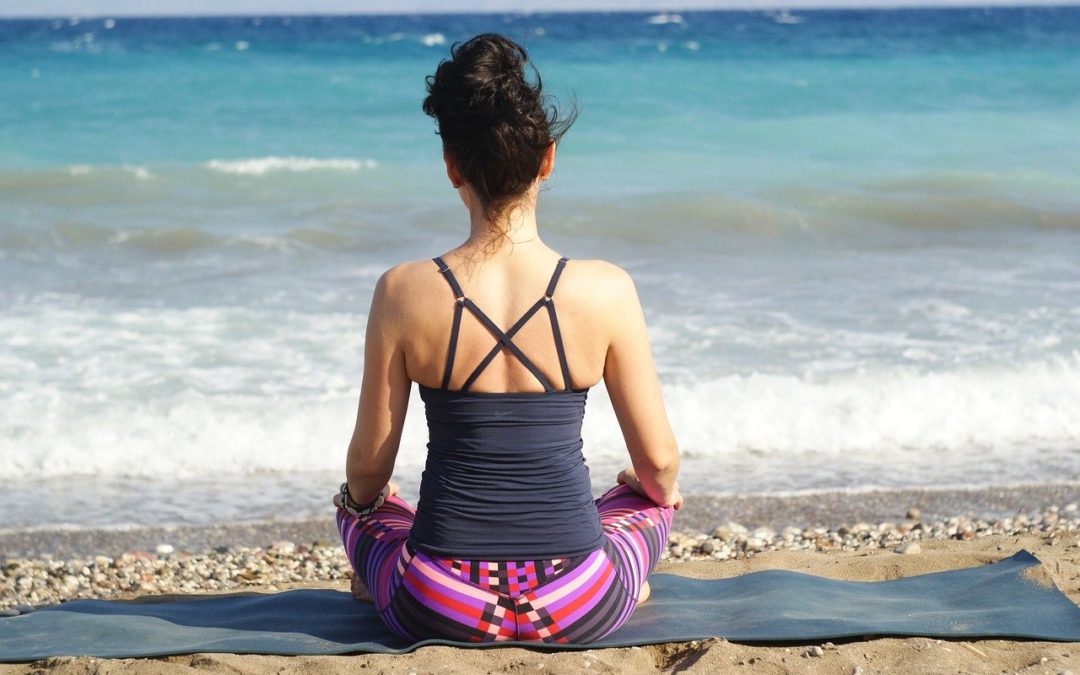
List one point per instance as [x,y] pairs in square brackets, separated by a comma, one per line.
[634,388]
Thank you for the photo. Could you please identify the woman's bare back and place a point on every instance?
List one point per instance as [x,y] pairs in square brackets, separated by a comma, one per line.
[587,295]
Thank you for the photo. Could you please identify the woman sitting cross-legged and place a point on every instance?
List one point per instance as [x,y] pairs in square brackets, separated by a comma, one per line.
[504,337]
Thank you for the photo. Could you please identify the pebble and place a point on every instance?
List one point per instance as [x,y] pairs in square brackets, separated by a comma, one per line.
[814,651]
[730,531]
[765,533]
[9,612]
[283,547]
[791,532]
[914,513]
[164,549]
[909,548]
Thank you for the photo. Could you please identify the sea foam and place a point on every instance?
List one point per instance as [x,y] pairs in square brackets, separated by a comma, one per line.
[664,18]
[258,166]
[231,391]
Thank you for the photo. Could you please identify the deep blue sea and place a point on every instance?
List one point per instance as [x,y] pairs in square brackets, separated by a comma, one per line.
[856,235]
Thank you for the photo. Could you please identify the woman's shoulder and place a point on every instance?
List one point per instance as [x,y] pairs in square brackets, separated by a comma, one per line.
[408,277]
[600,271]
[603,282]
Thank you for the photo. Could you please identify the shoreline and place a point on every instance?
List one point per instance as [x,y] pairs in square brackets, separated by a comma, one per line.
[702,513]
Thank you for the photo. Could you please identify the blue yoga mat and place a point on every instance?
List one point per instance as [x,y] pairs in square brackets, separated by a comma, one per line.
[1011,598]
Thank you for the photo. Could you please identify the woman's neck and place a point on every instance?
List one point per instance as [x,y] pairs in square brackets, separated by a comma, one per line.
[499,237]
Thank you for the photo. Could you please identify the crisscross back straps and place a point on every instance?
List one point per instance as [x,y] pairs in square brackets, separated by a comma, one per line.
[504,339]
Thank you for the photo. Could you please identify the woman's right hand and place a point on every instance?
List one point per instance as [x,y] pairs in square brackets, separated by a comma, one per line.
[629,478]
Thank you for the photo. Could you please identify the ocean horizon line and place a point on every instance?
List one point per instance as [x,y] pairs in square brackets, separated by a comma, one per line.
[600,8]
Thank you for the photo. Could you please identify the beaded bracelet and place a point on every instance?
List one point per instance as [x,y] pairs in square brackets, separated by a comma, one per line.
[352,508]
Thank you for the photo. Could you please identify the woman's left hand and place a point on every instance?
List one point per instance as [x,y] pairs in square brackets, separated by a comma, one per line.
[629,478]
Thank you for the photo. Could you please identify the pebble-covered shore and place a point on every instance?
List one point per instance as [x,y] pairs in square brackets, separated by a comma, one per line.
[700,513]
[26,583]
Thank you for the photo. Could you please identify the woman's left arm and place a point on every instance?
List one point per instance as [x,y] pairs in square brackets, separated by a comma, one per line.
[384,394]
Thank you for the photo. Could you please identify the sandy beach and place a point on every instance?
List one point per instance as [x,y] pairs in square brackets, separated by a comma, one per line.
[863,551]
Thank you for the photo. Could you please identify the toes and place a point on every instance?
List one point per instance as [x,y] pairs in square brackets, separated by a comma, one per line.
[644,594]
[360,591]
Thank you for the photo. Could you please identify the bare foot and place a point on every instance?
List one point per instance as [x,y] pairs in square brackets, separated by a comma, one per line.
[644,594]
[360,591]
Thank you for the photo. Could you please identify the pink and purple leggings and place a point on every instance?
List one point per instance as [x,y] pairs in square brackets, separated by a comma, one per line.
[574,600]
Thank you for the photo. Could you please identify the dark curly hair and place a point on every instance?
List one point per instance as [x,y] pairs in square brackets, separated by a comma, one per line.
[494,123]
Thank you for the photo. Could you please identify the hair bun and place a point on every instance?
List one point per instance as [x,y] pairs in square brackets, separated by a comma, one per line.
[485,78]
[493,121]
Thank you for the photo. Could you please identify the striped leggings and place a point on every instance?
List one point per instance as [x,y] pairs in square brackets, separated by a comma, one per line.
[571,600]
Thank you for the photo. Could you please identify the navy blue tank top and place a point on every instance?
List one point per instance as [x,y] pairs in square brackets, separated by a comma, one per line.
[505,478]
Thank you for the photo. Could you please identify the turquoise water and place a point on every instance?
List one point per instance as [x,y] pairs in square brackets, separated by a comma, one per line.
[856,234]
